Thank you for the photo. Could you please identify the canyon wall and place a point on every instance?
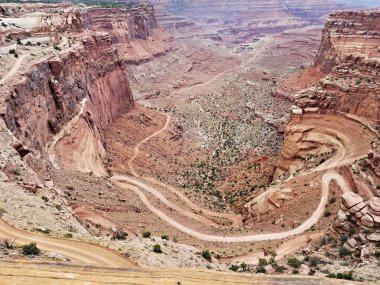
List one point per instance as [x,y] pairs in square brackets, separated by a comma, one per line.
[49,94]
[350,54]
[123,25]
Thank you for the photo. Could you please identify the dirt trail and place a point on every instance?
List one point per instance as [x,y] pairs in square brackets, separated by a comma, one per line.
[21,58]
[216,77]
[236,220]
[14,69]
[75,250]
[312,220]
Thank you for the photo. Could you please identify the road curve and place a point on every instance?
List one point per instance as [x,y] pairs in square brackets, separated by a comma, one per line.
[312,220]
[75,250]
[236,220]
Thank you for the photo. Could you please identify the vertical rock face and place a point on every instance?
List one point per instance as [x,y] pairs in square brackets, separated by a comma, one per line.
[350,53]
[48,96]
[123,25]
[349,36]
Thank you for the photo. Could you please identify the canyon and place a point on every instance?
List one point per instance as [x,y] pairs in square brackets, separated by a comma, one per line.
[220,134]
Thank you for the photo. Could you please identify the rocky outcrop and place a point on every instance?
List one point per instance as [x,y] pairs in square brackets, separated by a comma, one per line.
[49,94]
[350,53]
[364,215]
[123,25]
[349,36]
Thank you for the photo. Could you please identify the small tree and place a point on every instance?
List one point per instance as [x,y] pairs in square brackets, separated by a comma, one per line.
[147,234]
[165,237]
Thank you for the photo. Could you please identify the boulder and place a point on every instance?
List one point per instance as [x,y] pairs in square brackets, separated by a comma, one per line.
[374,205]
[367,221]
[365,252]
[342,217]
[352,243]
[21,149]
[375,237]
[351,199]
[357,207]
[49,184]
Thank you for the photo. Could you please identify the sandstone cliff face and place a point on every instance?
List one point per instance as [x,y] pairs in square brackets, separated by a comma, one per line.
[350,56]
[123,25]
[350,53]
[49,95]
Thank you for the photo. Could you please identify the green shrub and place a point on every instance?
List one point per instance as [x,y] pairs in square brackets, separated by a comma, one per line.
[206,255]
[260,269]
[42,231]
[346,275]
[68,235]
[343,238]
[377,254]
[165,237]
[30,249]
[327,214]
[157,248]
[263,262]
[294,262]
[2,211]
[147,234]
[332,200]
[234,267]
[314,261]
[344,252]
[57,48]
[295,271]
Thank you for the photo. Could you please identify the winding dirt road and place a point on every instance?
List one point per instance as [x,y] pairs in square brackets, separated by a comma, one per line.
[120,181]
[125,182]
[78,251]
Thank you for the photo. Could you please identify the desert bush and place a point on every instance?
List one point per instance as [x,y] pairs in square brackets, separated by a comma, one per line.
[206,255]
[165,237]
[147,234]
[263,262]
[294,262]
[157,248]
[30,249]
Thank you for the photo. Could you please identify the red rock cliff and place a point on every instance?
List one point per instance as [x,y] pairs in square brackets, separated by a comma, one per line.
[49,95]
[350,53]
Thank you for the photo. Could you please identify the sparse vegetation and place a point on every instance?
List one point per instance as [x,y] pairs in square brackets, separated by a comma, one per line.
[147,234]
[346,275]
[2,211]
[157,248]
[294,262]
[327,213]
[30,249]
[68,235]
[7,244]
[165,237]
[206,255]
